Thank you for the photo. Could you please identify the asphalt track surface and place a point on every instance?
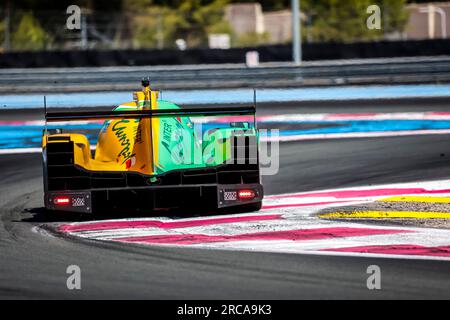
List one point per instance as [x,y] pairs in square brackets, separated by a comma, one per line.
[33,263]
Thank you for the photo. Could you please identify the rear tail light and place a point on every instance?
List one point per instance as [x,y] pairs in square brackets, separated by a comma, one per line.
[246,194]
[62,200]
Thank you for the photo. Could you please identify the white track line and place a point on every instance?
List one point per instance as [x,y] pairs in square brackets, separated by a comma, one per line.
[20,150]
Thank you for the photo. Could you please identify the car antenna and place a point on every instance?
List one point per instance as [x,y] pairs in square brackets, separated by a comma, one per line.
[146,88]
[145,82]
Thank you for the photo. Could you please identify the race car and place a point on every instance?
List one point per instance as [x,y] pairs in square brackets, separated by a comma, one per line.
[151,154]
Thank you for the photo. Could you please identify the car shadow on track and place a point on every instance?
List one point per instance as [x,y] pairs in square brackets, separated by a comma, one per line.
[41,215]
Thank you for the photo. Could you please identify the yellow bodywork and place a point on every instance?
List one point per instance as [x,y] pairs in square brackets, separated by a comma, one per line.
[121,145]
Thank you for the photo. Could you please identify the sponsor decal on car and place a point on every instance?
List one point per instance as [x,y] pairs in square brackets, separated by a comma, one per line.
[119,130]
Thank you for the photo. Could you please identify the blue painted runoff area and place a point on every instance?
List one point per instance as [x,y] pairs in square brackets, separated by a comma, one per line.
[224,96]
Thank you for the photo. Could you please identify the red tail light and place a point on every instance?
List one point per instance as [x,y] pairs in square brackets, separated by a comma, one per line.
[63,200]
[246,194]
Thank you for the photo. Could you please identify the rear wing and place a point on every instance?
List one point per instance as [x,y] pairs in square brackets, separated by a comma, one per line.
[140,114]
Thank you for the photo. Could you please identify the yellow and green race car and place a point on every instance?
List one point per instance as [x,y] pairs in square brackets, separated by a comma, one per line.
[151,154]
